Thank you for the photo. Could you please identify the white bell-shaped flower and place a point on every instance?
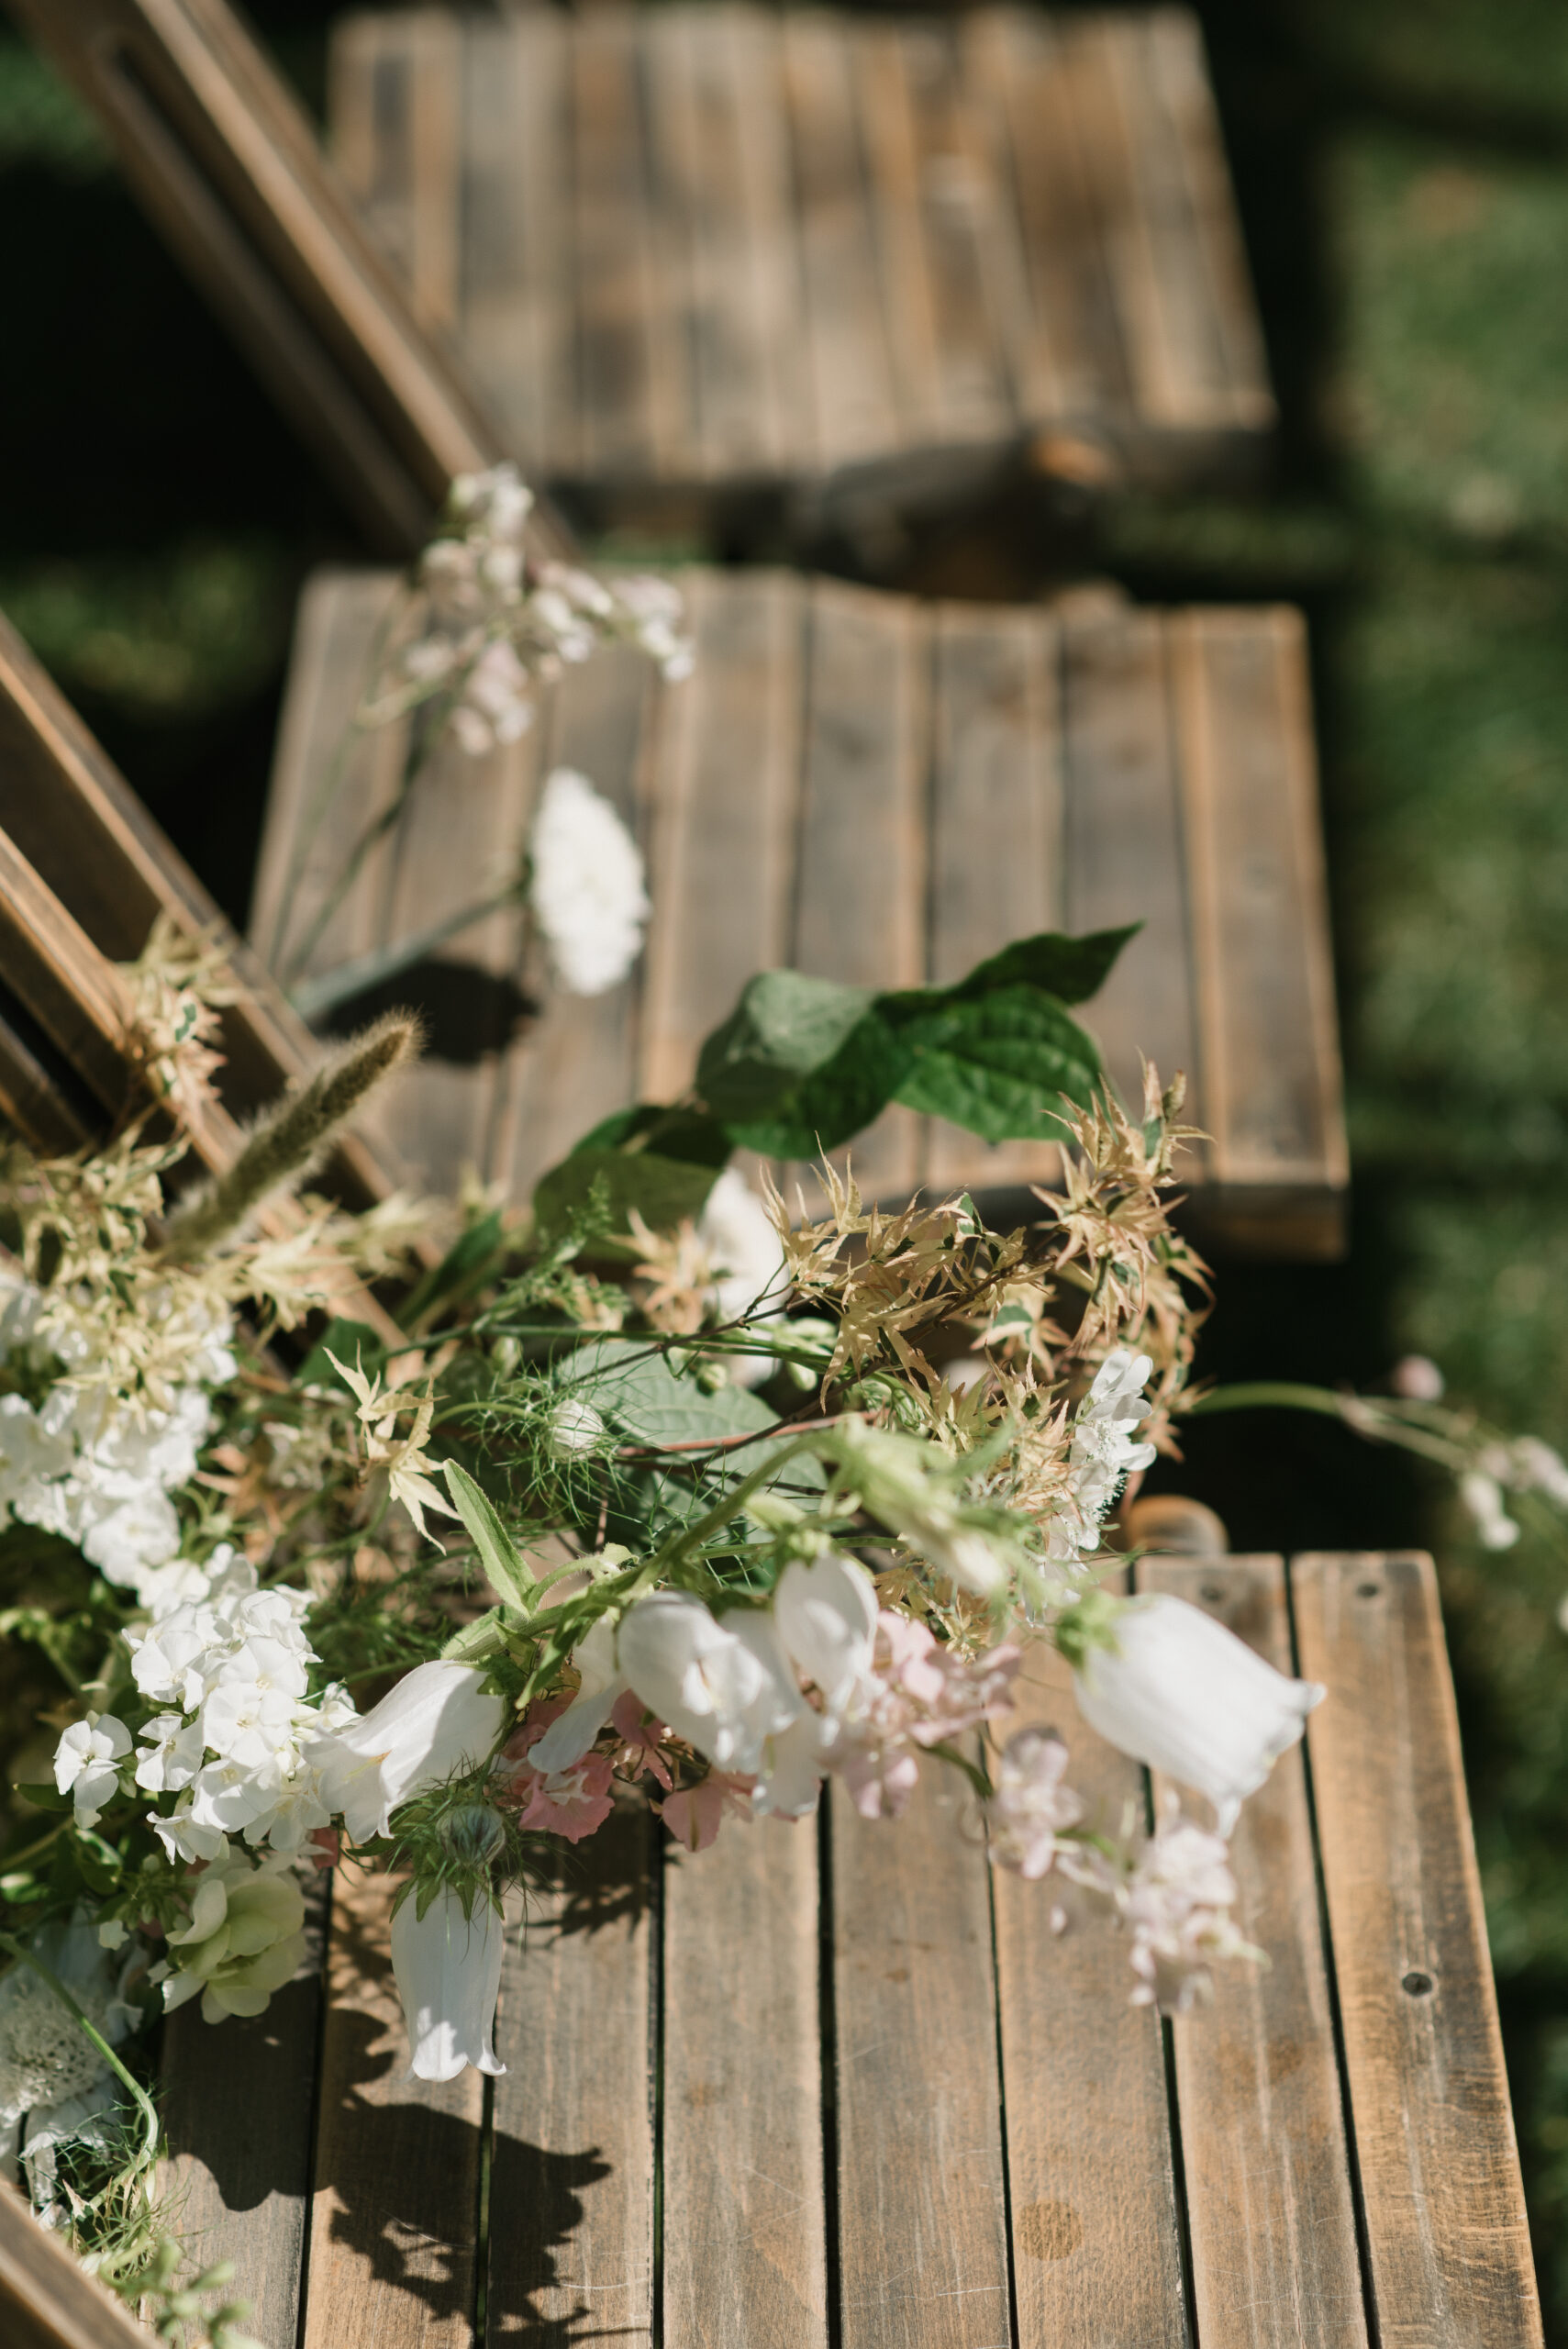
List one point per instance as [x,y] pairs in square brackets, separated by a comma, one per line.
[448,1969]
[826,1614]
[725,1688]
[600,1682]
[1184,1695]
[436,1722]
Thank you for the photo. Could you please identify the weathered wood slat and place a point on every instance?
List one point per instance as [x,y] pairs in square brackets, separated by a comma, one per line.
[243,2194]
[571,2192]
[961,238]
[1270,2208]
[1443,2210]
[395,2211]
[875,789]
[746,2246]
[1091,2172]
[47,2299]
[922,2202]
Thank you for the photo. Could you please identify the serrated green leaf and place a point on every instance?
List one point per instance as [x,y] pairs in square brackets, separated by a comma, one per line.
[690,1135]
[45,1797]
[510,1575]
[785,1025]
[1072,969]
[663,1191]
[998,1064]
[827,1105]
[633,1386]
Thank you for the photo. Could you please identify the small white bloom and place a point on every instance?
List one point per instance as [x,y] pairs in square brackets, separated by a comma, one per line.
[588,891]
[1416,1379]
[174,1756]
[86,1763]
[436,1722]
[448,1968]
[1539,1468]
[1182,1695]
[1483,1497]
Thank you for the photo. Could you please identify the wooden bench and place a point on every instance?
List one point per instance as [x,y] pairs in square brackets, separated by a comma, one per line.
[879,791]
[727,248]
[843,2085]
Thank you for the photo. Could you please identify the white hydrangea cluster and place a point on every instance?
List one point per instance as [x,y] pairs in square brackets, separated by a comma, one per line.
[1103,1454]
[239,1744]
[494,622]
[94,1465]
[588,891]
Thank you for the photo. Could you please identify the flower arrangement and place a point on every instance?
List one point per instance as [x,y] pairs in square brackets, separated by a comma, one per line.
[664,1490]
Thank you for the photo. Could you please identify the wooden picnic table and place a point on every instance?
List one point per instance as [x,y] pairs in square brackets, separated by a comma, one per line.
[841,2083]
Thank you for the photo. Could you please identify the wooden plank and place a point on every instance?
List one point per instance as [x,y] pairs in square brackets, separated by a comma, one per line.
[370,109]
[922,2216]
[41,1098]
[395,2213]
[767,192]
[243,2192]
[1444,2208]
[1270,2213]
[720,287]
[88,837]
[1264,982]
[724,787]
[964,246]
[517,258]
[48,2300]
[861,888]
[850,367]
[1095,2228]
[220,154]
[437,137]
[1174,52]
[571,2167]
[631,386]
[1064,348]
[892,165]
[745,2232]
[1124,852]
[996,859]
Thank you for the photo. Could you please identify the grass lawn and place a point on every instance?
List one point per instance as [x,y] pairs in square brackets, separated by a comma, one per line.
[1403,170]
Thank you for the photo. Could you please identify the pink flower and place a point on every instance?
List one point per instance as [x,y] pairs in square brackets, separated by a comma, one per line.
[532,1727]
[1030,1806]
[696,1813]
[325,1845]
[571,1802]
[880,1781]
[642,1737]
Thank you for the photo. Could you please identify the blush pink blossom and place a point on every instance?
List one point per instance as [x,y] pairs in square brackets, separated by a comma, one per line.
[642,1740]
[571,1802]
[696,1813]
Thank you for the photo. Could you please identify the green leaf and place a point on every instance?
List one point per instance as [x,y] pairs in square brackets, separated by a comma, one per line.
[352,1342]
[460,1270]
[690,1135]
[1072,969]
[662,1190]
[998,1064]
[484,1637]
[785,1026]
[509,1574]
[632,1385]
[825,1107]
[45,1797]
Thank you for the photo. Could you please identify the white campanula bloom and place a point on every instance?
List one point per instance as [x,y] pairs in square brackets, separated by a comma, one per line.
[1182,1695]
[725,1686]
[86,1763]
[448,1969]
[746,1258]
[600,1681]
[437,1722]
[826,1614]
[588,890]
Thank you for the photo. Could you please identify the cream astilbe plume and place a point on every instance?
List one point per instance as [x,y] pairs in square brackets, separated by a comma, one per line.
[290,1138]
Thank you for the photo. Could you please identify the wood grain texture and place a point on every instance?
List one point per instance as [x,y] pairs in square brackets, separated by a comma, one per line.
[395,2213]
[571,2174]
[1095,2231]
[922,2216]
[1270,2211]
[47,2299]
[244,2193]
[745,2225]
[1444,2208]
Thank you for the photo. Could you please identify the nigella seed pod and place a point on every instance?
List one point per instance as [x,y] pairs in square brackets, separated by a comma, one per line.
[472,1832]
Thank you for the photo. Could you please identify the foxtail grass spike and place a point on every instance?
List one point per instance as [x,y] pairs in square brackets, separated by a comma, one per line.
[290,1139]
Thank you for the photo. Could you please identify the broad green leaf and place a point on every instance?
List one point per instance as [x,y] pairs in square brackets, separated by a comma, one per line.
[784,1026]
[632,1385]
[690,1135]
[352,1342]
[1072,969]
[825,1107]
[662,1190]
[998,1064]
[509,1574]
